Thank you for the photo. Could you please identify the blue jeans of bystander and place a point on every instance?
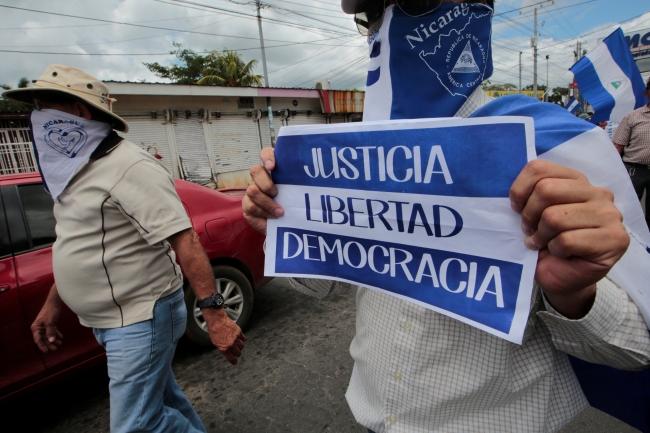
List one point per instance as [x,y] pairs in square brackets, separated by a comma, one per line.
[143,392]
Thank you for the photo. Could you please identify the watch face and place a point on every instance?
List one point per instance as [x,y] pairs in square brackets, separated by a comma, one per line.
[218,300]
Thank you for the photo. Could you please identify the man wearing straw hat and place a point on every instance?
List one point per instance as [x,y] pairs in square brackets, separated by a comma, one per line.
[120,226]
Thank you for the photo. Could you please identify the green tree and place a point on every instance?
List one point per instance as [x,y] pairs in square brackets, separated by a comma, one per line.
[212,68]
[558,94]
[190,67]
[22,83]
[540,88]
[231,71]
[9,106]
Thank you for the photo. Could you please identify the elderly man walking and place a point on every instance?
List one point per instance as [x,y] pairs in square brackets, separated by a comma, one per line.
[632,140]
[120,226]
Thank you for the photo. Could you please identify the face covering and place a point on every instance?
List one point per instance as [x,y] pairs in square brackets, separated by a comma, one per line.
[428,66]
[63,143]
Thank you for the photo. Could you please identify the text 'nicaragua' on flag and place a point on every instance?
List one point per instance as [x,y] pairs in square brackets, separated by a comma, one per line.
[610,79]
[573,105]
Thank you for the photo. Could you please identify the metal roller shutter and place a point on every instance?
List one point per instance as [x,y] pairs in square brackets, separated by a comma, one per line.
[236,143]
[263,125]
[304,119]
[151,135]
[190,141]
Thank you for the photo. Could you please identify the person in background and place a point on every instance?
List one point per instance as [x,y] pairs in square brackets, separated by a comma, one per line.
[632,140]
[120,226]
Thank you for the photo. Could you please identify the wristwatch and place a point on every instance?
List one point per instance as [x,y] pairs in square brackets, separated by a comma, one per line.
[214,301]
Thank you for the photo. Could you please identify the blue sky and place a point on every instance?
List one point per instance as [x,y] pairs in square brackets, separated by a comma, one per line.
[561,24]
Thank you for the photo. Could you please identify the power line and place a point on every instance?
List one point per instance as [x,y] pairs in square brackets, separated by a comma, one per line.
[115,42]
[158,54]
[97,25]
[185,3]
[135,25]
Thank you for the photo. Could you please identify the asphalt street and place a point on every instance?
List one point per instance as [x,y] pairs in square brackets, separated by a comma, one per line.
[291,379]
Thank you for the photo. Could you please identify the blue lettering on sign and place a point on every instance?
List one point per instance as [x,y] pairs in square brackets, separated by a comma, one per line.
[434,161]
[481,289]
[638,39]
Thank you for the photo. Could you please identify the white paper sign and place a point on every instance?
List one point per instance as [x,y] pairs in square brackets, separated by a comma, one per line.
[418,209]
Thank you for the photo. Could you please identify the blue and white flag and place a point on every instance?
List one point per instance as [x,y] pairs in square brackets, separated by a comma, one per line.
[572,142]
[573,106]
[392,206]
[440,58]
[610,80]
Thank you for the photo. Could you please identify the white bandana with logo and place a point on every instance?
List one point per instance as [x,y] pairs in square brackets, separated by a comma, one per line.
[63,143]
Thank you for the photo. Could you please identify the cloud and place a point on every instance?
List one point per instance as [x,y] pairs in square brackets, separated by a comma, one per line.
[305,40]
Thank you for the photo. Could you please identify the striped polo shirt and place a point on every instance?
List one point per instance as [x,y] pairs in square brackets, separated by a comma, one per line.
[633,133]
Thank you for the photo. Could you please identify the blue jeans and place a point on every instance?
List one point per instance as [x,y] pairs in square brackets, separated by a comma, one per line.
[144,394]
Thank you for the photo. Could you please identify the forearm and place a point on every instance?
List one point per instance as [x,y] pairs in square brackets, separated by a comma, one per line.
[53,298]
[613,333]
[574,305]
[195,264]
[619,148]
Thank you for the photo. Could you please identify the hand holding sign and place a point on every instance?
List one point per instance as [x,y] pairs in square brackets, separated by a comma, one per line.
[577,229]
[258,205]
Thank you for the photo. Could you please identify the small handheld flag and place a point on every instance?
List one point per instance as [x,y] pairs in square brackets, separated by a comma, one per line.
[610,80]
[573,106]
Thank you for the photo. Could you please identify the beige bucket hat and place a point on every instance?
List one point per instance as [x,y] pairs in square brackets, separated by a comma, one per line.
[71,83]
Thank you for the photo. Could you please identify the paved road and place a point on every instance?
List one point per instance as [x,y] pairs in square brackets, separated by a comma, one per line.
[292,378]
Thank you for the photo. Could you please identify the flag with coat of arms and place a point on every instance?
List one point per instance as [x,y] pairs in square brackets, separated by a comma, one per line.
[610,80]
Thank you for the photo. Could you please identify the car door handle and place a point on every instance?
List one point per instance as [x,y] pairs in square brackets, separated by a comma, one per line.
[4,289]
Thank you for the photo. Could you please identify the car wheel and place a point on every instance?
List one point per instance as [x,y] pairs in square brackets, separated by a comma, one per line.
[233,285]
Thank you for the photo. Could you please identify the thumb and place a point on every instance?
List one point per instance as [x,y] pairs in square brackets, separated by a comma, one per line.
[51,333]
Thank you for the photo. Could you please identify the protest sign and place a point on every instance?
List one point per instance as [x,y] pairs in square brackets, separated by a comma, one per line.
[418,209]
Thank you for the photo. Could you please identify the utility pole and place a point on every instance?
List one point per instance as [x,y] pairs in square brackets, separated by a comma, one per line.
[259,25]
[547,83]
[520,68]
[578,94]
[534,44]
[266,73]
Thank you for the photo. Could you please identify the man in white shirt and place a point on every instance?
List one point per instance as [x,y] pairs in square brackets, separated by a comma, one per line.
[420,371]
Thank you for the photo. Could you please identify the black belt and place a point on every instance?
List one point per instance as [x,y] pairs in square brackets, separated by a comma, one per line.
[635,165]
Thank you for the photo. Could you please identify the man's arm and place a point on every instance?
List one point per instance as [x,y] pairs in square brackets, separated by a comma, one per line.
[224,333]
[46,336]
[622,135]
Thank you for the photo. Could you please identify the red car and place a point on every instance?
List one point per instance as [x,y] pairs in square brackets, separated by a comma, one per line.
[26,236]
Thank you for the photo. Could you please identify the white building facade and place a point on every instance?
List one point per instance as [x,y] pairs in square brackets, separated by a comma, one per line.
[213,135]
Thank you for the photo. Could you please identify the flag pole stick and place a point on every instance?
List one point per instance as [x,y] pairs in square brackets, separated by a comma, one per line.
[551,86]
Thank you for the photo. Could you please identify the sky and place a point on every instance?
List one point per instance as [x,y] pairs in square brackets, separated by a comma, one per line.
[306,40]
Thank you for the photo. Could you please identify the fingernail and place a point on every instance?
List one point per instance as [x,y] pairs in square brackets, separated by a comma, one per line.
[527,229]
[278,212]
[268,165]
[530,243]
[51,339]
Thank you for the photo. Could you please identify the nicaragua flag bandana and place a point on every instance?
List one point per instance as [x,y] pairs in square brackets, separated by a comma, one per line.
[428,66]
[63,143]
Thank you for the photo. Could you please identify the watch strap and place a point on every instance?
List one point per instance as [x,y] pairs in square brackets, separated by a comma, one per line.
[211,301]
